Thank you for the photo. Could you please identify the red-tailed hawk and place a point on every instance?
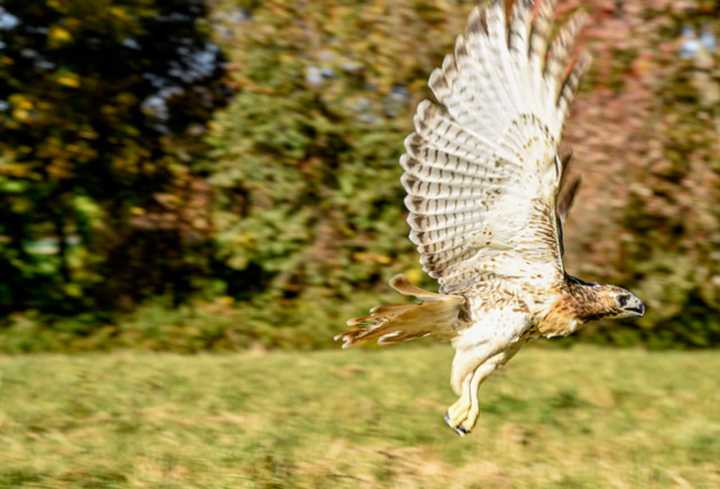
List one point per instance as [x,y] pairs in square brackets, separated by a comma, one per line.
[487,201]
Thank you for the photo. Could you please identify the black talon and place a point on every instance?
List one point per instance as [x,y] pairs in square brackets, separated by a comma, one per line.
[457,429]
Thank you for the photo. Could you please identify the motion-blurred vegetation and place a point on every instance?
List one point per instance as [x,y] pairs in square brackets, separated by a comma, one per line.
[102,113]
[584,418]
[137,211]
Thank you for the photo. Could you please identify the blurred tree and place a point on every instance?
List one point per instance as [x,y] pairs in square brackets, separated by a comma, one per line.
[102,107]
[309,208]
[671,249]
[108,192]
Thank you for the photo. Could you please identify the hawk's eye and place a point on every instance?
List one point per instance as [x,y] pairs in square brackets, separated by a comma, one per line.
[623,300]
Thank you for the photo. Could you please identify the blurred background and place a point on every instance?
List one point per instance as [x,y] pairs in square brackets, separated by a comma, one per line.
[187,175]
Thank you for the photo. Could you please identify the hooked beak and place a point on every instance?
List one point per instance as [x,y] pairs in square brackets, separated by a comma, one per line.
[634,308]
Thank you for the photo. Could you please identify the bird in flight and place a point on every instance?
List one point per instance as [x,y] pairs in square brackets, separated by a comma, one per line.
[487,197]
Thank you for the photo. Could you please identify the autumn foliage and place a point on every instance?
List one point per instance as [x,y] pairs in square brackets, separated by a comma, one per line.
[282,215]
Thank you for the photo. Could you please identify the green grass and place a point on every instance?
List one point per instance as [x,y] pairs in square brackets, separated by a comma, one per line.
[580,418]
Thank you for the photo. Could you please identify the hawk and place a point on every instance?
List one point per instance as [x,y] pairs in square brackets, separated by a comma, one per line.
[487,198]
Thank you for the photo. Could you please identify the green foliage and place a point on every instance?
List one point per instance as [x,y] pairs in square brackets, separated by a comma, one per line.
[672,219]
[122,225]
[200,325]
[305,159]
[102,108]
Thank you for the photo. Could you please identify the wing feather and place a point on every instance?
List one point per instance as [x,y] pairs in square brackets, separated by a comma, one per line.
[481,170]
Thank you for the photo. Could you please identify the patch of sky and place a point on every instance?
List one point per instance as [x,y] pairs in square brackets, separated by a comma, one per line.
[708,40]
[8,21]
[313,76]
[156,106]
[131,43]
[316,75]
[44,65]
[195,64]
[692,43]
[156,81]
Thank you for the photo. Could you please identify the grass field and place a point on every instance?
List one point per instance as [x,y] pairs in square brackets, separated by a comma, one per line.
[580,418]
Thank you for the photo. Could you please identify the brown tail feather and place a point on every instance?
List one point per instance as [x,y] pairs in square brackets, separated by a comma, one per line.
[388,324]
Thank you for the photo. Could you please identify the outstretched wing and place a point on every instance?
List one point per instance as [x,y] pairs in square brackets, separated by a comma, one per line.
[482,173]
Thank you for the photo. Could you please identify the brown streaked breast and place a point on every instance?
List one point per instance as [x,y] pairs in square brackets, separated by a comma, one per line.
[560,321]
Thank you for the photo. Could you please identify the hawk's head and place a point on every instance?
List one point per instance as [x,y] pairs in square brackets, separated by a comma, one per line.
[613,302]
[623,303]
[594,301]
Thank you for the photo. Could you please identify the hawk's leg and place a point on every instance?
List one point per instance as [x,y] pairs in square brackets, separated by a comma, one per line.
[480,374]
[479,350]
[462,415]
[460,406]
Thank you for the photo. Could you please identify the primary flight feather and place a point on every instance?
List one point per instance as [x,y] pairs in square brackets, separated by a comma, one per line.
[487,200]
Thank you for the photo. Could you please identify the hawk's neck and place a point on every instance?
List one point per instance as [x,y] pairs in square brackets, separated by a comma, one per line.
[577,303]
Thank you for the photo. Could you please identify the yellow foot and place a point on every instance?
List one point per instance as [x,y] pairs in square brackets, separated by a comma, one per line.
[456,428]
[469,422]
[456,416]
[456,412]
[461,416]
